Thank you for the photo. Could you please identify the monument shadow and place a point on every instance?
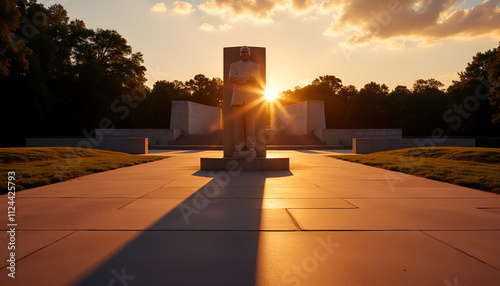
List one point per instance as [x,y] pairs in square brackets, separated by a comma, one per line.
[211,238]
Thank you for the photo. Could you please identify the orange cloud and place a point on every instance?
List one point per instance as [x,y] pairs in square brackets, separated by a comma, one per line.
[159,8]
[422,20]
[256,10]
[182,8]
[207,27]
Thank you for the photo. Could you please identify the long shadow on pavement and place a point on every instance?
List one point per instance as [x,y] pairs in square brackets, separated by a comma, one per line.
[211,238]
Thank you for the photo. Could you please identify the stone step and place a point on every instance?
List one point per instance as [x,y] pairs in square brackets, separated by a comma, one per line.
[275,138]
[214,138]
[293,139]
[268,147]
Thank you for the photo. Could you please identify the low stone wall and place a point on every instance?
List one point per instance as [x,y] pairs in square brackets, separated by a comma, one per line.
[125,145]
[299,118]
[155,136]
[370,145]
[345,136]
[195,118]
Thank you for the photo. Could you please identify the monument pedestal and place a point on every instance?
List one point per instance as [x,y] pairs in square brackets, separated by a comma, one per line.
[245,164]
[244,154]
[244,160]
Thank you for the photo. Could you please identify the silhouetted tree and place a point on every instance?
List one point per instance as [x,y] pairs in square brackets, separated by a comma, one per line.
[493,71]
[75,74]
[422,86]
[205,91]
[472,100]
[12,47]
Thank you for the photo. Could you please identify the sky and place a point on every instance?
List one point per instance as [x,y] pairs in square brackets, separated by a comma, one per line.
[387,41]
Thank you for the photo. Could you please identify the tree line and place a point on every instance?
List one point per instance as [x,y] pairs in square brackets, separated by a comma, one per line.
[468,107]
[60,78]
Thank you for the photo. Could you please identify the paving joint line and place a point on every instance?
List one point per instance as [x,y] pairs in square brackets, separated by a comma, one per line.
[43,247]
[462,251]
[295,222]
[144,195]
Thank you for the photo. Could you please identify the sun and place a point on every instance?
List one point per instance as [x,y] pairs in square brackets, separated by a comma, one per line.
[271,94]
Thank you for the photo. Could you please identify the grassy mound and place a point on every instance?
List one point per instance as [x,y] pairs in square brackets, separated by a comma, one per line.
[477,168]
[36,167]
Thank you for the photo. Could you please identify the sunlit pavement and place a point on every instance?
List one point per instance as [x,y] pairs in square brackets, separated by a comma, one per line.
[324,222]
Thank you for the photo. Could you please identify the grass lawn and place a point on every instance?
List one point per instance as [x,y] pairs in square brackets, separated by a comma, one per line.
[36,167]
[477,168]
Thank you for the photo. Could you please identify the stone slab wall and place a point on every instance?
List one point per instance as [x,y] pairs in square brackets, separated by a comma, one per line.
[155,136]
[195,118]
[345,136]
[299,118]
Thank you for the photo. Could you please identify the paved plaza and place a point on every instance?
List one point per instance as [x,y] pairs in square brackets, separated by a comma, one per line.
[324,222]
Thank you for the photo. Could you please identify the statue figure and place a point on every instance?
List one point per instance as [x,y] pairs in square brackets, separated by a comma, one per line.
[244,74]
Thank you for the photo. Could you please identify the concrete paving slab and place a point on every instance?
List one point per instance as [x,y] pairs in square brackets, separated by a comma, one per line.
[160,222]
[69,260]
[259,203]
[188,182]
[112,187]
[482,245]
[166,192]
[29,242]
[225,219]
[365,258]
[401,214]
[255,258]
[60,213]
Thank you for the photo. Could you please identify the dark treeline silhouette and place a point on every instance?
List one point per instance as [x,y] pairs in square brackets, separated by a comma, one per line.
[469,107]
[60,78]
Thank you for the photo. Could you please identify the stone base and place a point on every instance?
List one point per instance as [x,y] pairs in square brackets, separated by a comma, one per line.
[244,154]
[245,164]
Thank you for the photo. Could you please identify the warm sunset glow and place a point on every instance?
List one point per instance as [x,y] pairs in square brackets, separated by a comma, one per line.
[390,42]
[271,94]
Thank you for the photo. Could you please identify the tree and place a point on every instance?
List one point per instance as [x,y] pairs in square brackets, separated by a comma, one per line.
[424,85]
[473,100]
[332,84]
[109,50]
[75,74]
[205,91]
[366,108]
[400,90]
[493,71]
[12,48]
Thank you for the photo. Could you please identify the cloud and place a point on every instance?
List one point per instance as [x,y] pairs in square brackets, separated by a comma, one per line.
[328,5]
[182,8]
[303,5]
[424,21]
[225,27]
[159,8]
[207,27]
[255,10]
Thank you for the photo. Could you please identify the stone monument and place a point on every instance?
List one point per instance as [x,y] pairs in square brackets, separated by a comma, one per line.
[253,84]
